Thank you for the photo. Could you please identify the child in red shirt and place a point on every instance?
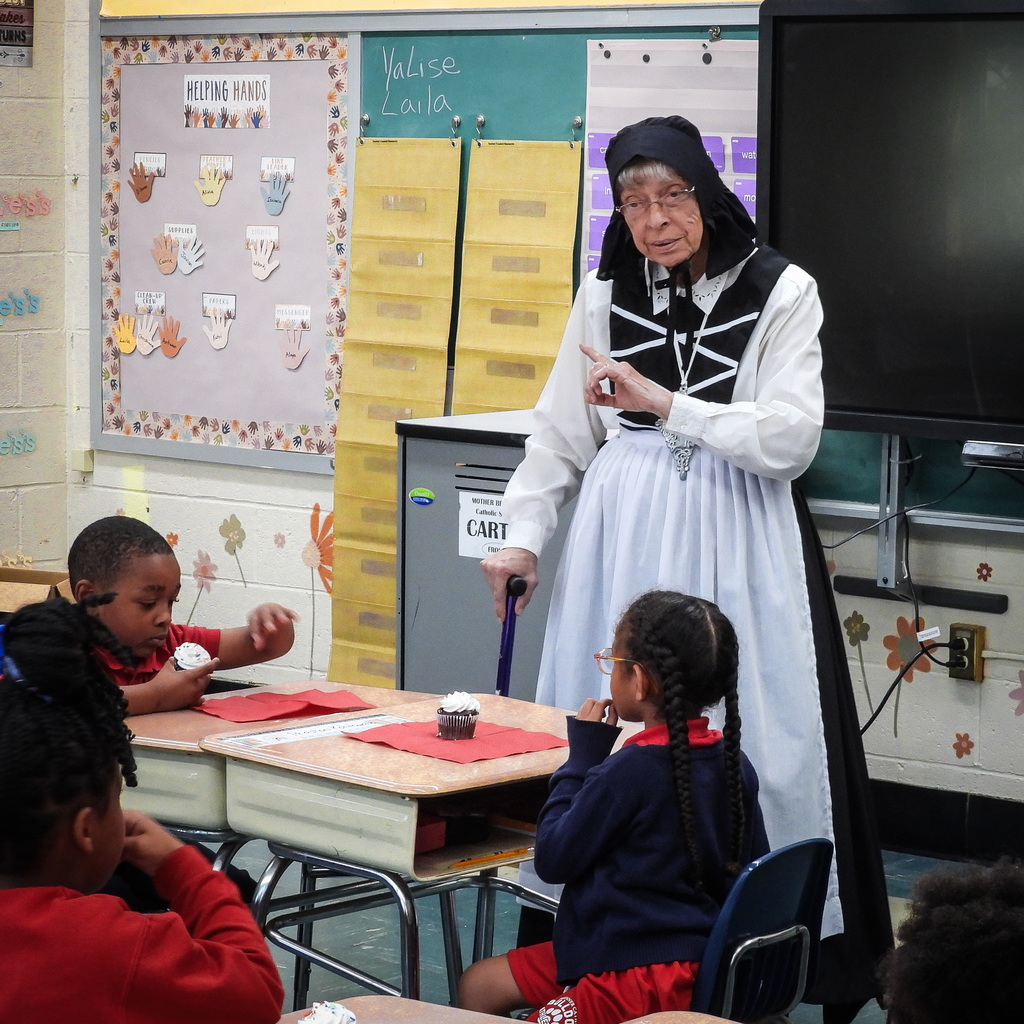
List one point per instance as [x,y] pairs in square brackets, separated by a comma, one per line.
[69,953]
[127,557]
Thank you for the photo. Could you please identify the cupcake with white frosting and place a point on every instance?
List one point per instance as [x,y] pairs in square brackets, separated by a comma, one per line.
[328,1013]
[457,716]
[189,655]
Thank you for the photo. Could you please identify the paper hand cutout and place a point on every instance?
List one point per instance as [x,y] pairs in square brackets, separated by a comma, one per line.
[141,182]
[191,256]
[209,185]
[279,192]
[218,330]
[146,336]
[165,252]
[293,348]
[124,333]
[170,343]
[263,262]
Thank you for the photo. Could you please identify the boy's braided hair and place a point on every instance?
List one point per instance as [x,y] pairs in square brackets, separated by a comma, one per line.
[62,730]
[102,550]
[690,650]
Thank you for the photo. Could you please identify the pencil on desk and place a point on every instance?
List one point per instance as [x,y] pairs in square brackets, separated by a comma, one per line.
[497,855]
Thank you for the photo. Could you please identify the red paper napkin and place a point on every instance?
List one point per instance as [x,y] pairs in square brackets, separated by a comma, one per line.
[490,741]
[261,707]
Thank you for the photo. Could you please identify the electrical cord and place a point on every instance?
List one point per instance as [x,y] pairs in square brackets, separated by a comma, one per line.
[900,512]
[896,682]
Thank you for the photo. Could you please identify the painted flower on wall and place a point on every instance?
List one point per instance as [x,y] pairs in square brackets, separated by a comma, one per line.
[234,537]
[204,572]
[857,632]
[984,572]
[318,554]
[172,539]
[1018,694]
[903,646]
[964,744]
[279,539]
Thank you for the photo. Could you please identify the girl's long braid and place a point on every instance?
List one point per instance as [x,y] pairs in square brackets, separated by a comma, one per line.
[690,648]
[62,728]
[734,780]
[659,656]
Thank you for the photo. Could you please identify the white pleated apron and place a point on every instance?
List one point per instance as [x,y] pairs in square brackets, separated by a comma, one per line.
[724,535]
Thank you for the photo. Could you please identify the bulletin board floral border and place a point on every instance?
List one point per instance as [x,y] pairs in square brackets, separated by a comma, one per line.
[316,439]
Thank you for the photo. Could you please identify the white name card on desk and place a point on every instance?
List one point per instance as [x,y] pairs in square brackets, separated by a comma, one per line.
[310,732]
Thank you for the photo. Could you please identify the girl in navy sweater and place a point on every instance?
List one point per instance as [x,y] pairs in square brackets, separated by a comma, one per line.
[646,842]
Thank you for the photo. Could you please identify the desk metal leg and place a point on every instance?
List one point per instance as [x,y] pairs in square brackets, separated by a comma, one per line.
[483,932]
[345,898]
[452,943]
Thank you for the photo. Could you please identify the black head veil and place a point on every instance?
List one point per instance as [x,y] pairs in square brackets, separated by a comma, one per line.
[676,142]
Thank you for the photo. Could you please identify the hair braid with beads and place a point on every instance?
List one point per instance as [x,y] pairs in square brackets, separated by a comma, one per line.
[62,730]
[689,649]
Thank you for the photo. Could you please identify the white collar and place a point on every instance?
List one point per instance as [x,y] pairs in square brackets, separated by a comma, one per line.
[704,292]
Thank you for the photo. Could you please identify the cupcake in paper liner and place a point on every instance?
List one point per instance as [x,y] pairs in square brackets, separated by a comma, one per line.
[457,716]
[189,655]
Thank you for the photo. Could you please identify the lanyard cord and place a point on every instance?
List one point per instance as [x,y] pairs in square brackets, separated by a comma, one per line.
[683,269]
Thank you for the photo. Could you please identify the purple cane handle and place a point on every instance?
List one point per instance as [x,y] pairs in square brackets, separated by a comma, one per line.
[515,587]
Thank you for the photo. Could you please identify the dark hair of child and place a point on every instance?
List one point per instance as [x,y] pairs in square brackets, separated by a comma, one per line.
[959,952]
[688,647]
[102,550]
[62,731]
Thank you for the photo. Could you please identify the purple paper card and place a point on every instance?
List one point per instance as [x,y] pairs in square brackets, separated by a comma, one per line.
[716,150]
[598,224]
[593,259]
[745,190]
[601,192]
[597,146]
[744,154]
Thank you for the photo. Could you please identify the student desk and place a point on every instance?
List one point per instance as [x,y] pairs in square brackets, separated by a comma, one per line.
[338,805]
[362,801]
[183,784]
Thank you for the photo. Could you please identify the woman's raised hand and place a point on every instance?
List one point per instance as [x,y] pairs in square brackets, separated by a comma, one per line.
[633,392]
[500,566]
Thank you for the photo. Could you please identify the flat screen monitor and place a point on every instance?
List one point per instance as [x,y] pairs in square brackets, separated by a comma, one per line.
[891,168]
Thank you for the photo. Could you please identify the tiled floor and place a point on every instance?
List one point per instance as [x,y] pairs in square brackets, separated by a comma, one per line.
[369,938]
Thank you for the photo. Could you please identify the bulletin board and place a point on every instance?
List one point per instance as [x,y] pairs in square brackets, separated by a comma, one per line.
[224,243]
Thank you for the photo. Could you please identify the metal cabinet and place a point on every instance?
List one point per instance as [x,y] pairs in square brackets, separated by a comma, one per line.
[452,472]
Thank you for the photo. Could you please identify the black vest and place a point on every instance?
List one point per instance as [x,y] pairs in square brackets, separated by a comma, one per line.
[645,340]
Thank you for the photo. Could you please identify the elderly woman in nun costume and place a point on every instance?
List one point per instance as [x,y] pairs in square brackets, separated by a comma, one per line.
[685,398]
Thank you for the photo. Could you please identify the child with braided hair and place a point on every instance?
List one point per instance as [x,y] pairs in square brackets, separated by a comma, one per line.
[647,841]
[68,952]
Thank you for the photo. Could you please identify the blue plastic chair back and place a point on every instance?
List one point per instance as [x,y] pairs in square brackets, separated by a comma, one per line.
[762,952]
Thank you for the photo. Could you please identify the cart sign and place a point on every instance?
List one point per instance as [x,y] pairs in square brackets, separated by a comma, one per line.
[481,524]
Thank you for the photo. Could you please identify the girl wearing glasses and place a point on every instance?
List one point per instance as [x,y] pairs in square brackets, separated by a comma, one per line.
[685,397]
[647,841]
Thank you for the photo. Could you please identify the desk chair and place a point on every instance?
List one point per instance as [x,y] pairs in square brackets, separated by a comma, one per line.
[762,952]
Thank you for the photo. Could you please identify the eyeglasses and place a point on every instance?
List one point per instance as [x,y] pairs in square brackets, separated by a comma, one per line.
[605,661]
[637,208]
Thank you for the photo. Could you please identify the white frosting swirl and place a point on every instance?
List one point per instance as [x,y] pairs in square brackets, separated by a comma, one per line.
[328,1013]
[459,701]
[189,655]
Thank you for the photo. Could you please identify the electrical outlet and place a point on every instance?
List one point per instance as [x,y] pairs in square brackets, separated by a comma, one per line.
[965,646]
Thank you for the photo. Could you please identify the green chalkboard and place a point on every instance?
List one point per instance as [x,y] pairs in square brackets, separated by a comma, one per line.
[527,85]
[530,85]
[848,468]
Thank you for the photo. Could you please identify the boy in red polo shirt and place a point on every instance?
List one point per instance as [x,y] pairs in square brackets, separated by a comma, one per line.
[129,558]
